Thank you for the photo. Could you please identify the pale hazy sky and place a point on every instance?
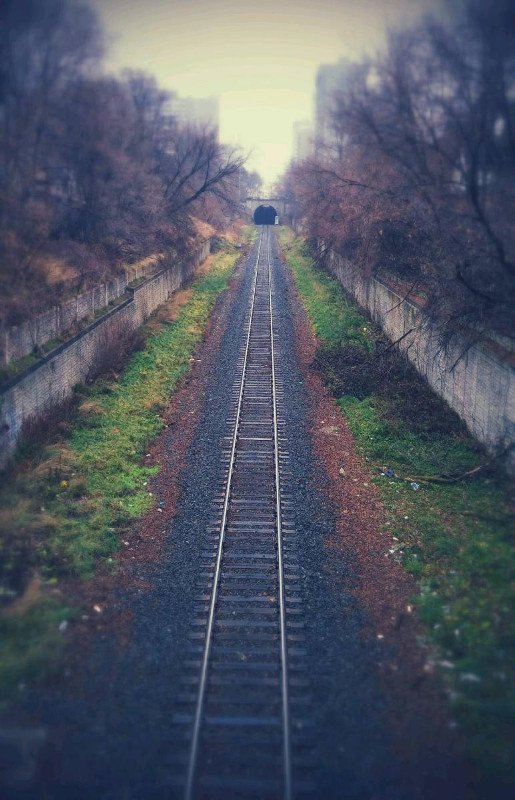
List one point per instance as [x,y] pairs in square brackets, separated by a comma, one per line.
[260,58]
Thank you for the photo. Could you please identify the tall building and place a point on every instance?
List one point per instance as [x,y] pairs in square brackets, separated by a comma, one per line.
[330,79]
[302,140]
[202,112]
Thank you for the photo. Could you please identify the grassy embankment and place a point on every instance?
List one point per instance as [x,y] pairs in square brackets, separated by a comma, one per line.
[455,537]
[67,500]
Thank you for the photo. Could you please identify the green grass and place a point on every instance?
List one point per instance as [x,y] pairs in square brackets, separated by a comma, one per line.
[333,316]
[455,537]
[67,503]
[32,644]
[14,367]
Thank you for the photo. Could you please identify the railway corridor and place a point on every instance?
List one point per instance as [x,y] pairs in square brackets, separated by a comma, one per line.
[245,699]
[239,663]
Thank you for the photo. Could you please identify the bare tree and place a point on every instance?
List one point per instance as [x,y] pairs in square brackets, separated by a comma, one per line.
[94,171]
[44,46]
[421,182]
[194,163]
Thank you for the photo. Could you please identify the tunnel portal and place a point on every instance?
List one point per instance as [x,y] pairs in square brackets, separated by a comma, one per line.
[265,215]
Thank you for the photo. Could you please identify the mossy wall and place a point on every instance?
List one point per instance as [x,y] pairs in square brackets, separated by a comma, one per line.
[478,382]
[50,380]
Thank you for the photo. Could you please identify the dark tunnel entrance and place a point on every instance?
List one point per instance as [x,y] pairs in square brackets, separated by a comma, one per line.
[265,215]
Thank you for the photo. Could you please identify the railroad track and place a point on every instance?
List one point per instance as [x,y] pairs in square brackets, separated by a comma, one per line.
[244,703]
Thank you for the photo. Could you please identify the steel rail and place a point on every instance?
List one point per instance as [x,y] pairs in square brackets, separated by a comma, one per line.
[280,565]
[190,780]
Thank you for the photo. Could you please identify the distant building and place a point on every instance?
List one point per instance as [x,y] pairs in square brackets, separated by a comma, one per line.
[330,79]
[302,140]
[202,112]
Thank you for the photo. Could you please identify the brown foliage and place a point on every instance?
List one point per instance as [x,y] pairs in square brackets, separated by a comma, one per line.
[94,171]
[112,353]
[386,373]
[417,177]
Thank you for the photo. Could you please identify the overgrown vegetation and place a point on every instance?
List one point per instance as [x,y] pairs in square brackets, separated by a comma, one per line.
[96,172]
[411,173]
[454,535]
[69,499]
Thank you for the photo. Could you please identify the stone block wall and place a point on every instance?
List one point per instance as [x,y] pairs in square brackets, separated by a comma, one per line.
[17,341]
[477,382]
[50,380]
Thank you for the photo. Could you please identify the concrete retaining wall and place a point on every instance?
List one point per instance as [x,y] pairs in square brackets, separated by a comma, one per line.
[18,341]
[479,385]
[50,380]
